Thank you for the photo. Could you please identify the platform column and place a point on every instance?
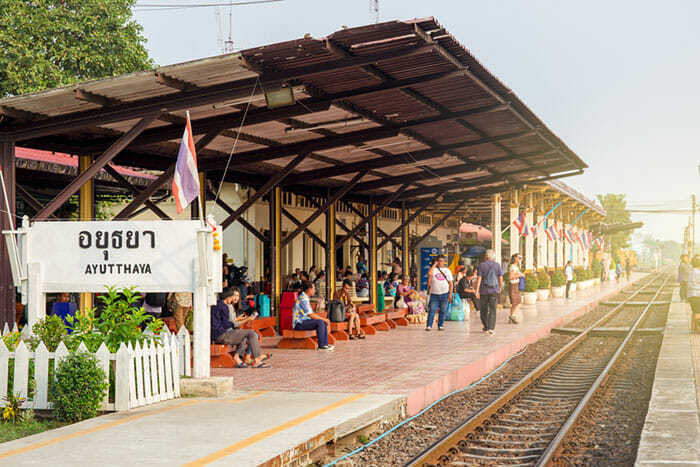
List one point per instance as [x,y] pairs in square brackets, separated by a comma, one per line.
[330,251]
[541,242]
[373,260]
[275,213]
[86,212]
[550,248]
[514,234]
[496,225]
[7,286]
[529,241]
[405,247]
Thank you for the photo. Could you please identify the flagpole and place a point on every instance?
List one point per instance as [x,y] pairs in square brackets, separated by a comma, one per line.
[7,201]
[199,196]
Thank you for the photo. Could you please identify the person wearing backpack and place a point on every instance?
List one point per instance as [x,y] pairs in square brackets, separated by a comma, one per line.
[489,284]
[440,286]
[515,277]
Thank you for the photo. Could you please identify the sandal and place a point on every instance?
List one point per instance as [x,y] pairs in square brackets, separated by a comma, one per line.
[361,336]
[352,337]
[241,365]
[261,365]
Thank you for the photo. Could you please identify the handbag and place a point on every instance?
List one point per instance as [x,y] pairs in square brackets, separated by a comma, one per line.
[401,303]
[521,283]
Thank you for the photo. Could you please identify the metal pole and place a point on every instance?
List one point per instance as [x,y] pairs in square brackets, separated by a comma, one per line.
[692,238]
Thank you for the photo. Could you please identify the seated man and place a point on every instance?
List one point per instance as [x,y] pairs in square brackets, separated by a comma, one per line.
[64,307]
[223,331]
[353,319]
[305,319]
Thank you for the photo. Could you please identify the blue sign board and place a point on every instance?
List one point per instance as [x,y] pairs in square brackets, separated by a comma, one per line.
[426,258]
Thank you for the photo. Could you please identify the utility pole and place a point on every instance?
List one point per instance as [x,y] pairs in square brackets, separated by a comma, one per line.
[692,231]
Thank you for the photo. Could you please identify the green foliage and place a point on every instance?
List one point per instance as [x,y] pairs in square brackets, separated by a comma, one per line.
[50,330]
[27,425]
[558,279]
[120,321]
[543,280]
[616,208]
[49,43]
[574,278]
[11,340]
[79,387]
[596,268]
[11,410]
[531,282]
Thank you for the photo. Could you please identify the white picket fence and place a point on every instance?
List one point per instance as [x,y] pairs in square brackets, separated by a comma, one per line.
[142,374]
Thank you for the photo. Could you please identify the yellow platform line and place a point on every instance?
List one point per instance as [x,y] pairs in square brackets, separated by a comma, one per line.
[227,451]
[122,421]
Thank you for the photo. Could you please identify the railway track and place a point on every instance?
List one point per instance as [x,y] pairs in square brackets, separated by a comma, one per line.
[526,424]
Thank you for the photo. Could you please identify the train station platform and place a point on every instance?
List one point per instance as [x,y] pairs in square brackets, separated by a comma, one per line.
[671,433]
[280,415]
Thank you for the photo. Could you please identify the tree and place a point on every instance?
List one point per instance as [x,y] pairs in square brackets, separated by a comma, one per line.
[49,43]
[616,208]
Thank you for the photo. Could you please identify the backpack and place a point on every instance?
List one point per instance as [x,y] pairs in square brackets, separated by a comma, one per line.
[336,311]
[262,304]
[461,285]
[491,279]
[157,299]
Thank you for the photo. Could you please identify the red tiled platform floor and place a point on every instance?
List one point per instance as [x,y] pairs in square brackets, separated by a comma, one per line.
[408,360]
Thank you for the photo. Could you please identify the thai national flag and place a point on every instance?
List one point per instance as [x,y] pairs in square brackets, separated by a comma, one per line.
[534,231]
[186,178]
[569,235]
[585,241]
[521,225]
[552,233]
[600,241]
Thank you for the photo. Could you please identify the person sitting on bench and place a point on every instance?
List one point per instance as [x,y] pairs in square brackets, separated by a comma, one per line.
[225,332]
[305,319]
[353,319]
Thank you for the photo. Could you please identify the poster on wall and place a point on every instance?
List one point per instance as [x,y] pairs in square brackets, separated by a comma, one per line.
[427,255]
[468,238]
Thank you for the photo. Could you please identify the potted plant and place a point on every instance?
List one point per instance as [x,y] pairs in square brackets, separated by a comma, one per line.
[530,292]
[558,284]
[581,279]
[543,286]
[596,269]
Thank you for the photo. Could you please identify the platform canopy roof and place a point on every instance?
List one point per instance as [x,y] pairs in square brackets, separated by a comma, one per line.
[398,109]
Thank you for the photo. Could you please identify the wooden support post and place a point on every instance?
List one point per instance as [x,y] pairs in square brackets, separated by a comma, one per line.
[405,246]
[275,212]
[330,250]
[86,208]
[496,226]
[7,286]
[373,260]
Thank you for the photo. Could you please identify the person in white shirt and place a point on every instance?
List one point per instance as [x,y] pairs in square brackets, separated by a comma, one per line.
[440,286]
[569,273]
[514,275]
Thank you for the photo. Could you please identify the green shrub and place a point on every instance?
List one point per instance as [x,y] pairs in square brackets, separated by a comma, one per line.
[558,279]
[78,389]
[543,281]
[574,278]
[50,330]
[596,268]
[530,282]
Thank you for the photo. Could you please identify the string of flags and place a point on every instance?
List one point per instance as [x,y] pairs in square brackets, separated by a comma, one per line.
[584,238]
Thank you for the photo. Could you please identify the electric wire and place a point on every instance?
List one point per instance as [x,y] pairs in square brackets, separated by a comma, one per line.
[484,378]
[185,6]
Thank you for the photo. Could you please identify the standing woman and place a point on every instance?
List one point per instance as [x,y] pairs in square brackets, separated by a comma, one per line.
[693,287]
[514,275]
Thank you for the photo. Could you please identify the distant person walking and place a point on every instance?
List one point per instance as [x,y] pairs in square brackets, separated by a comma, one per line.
[514,275]
[628,269]
[684,270]
[693,290]
[440,286]
[489,284]
[569,273]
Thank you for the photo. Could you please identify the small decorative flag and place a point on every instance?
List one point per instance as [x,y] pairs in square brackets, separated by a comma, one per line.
[534,231]
[569,235]
[600,241]
[552,233]
[186,178]
[521,225]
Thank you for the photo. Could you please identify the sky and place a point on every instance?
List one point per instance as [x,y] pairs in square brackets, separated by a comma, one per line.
[616,81]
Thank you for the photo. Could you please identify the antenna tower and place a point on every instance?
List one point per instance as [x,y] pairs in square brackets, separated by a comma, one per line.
[374,8]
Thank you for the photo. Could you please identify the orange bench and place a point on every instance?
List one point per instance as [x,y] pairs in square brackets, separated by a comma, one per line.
[293,339]
[370,320]
[396,316]
[221,356]
[339,331]
[265,327]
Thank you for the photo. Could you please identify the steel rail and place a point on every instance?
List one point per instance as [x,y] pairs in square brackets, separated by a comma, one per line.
[555,445]
[434,453]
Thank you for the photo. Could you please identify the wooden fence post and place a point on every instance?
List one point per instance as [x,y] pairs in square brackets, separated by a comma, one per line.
[122,378]
[41,376]
[21,370]
[4,360]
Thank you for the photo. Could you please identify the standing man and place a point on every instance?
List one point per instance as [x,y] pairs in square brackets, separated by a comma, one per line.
[440,286]
[569,273]
[489,284]
[683,273]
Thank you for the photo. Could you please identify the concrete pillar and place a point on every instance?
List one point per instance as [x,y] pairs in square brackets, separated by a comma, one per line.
[405,241]
[550,248]
[373,260]
[561,260]
[7,286]
[86,212]
[541,241]
[529,242]
[496,225]
[514,234]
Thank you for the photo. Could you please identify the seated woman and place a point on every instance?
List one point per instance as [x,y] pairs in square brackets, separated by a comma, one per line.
[353,319]
[305,319]
[227,332]
[362,286]
[390,286]
[238,316]
[469,291]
